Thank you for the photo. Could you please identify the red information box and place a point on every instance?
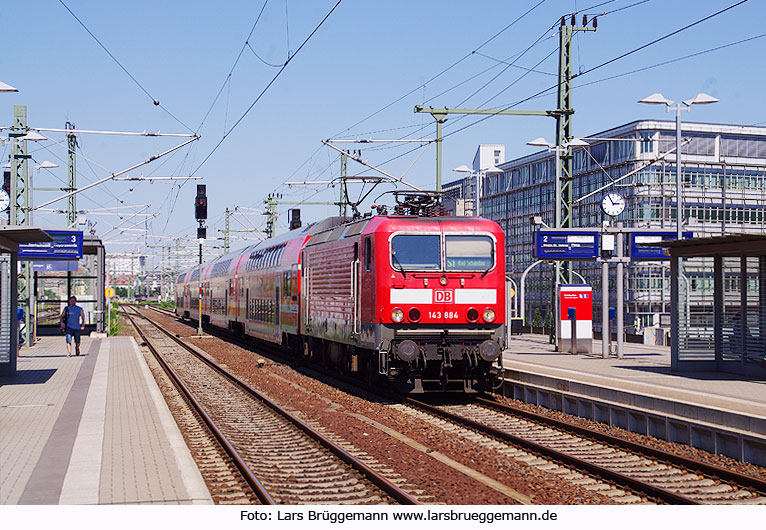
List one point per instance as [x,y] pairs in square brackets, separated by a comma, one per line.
[575,313]
[579,298]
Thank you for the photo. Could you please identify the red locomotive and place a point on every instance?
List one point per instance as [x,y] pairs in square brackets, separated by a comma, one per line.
[419,301]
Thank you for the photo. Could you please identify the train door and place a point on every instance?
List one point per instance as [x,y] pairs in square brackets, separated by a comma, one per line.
[355,291]
[226,290]
[278,305]
[367,282]
[304,296]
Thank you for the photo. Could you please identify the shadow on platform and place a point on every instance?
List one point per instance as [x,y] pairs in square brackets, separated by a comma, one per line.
[28,377]
[701,376]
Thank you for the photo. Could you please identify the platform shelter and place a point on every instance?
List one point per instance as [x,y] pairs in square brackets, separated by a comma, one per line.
[10,237]
[84,278]
[718,285]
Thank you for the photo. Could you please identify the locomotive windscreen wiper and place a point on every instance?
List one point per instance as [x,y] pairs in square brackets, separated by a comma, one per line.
[401,267]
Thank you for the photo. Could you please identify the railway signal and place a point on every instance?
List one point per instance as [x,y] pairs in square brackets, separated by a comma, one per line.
[200,203]
[200,213]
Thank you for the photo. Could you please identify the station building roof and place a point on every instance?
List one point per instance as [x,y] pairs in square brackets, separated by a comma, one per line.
[724,245]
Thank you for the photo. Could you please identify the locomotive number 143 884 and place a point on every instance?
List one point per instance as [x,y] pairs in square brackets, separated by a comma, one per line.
[446,314]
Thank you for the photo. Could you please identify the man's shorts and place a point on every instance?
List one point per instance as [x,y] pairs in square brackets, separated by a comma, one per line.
[75,332]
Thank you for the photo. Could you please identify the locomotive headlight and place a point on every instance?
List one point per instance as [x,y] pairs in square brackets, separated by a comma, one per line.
[489,350]
[489,315]
[397,315]
[407,351]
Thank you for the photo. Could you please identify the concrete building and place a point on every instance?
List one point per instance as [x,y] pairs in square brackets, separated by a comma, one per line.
[724,189]
[488,155]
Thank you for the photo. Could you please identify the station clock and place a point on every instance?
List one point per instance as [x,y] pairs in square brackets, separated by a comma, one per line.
[613,204]
[5,200]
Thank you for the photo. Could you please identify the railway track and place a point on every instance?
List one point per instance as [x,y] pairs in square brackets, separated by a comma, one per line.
[634,467]
[283,460]
[624,471]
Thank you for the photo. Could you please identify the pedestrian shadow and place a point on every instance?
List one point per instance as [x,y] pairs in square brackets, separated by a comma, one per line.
[28,377]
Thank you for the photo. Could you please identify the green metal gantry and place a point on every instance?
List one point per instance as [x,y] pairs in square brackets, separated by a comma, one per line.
[20,209]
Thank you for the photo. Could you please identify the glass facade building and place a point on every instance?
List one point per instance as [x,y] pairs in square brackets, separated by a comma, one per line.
[724,191]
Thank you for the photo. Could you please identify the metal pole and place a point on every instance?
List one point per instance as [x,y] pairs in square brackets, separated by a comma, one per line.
[620,293]
[439,121]
[478,194]
[199,315]
[521,291]
[679,192]
[109,317]
[573,341]
[557,223]
[515,298]
[604,309]
[557,189]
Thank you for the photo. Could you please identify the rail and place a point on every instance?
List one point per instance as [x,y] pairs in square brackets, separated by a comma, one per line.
[384,484]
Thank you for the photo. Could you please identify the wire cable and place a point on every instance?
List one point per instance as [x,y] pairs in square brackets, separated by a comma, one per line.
[444,71]
[154,100]
[266,88]
[655,41]
[231,70]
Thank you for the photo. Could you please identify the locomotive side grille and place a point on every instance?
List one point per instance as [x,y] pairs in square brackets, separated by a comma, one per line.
[329,282]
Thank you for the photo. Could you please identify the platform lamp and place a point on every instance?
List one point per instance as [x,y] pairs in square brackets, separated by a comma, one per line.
[659,99]
[479,174]
[7,88]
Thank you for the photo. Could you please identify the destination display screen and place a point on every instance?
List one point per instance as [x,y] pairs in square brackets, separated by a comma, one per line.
[552,244]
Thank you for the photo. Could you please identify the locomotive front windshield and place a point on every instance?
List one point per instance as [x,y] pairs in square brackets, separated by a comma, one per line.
[416,252]
[468,252]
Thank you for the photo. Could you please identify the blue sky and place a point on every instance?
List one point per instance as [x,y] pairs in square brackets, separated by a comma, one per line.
[364,58]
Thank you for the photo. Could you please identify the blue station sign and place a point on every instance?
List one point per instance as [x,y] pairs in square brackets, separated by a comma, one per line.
[554,244]
[56,266]
[640,249]
[66,245]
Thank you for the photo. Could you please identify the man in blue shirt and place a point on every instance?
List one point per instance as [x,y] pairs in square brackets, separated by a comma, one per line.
[73,320]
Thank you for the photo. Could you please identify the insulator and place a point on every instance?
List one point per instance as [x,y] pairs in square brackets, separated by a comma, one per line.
[562,21]
[595,23]
[585,20]
[573,20]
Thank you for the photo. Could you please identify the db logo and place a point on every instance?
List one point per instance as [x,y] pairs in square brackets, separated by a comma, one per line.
[444,297]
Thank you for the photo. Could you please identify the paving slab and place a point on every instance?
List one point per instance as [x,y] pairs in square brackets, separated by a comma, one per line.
[91,429]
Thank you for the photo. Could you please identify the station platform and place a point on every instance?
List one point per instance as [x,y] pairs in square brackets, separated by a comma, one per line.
[92,429]
[718,412]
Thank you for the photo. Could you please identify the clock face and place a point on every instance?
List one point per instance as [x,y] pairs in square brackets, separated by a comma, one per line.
[5,200]
[613,204]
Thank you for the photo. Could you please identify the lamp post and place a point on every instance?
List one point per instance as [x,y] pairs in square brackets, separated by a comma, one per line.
[492,170]
[558,150]
[659,99]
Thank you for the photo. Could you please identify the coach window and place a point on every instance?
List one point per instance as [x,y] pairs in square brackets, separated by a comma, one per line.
[368,254]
